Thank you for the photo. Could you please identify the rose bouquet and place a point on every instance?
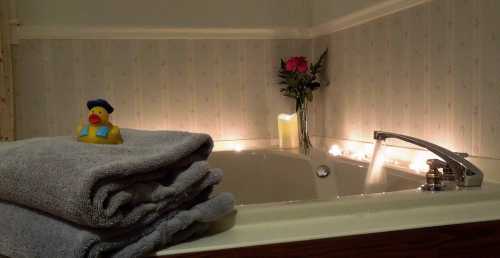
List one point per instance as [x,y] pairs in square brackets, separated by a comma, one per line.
[299,79]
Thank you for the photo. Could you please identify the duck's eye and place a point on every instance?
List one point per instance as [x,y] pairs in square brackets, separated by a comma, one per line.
[100,112]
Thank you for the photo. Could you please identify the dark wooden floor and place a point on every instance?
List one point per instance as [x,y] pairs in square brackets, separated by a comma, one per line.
[473,240]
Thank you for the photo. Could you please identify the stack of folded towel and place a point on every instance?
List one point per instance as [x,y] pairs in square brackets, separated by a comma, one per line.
[63,198]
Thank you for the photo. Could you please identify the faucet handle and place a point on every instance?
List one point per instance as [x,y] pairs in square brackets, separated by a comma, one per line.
[447,177]
[436,164]
[433,178]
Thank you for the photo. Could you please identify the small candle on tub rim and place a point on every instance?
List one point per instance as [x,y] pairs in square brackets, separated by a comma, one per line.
[288,131]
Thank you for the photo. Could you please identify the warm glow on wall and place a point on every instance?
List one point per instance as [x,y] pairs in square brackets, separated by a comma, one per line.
[237,146]
[419,162]
[359,155]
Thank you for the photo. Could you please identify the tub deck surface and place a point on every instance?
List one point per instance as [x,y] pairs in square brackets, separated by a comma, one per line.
[452,241]
[267,224]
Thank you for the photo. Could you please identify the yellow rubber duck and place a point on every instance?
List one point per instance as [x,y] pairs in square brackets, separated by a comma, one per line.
[99,130]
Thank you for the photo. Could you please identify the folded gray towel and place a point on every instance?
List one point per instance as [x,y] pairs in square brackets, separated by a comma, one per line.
[104,186]
[28,233]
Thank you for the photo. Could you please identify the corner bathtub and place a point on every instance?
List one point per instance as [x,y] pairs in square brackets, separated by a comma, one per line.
[266,176]
[282,199]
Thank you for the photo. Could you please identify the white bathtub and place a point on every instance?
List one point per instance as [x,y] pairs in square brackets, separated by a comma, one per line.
[281,199]
[263,176]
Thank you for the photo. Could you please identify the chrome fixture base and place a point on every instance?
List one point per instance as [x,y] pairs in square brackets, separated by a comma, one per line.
[454,167]
[434,178]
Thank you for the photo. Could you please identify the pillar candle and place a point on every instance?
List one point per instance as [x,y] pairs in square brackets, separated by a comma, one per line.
[288,131]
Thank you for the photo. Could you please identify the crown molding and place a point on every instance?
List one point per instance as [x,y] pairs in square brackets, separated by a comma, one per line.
[88,32]
[365,15]
[74,32]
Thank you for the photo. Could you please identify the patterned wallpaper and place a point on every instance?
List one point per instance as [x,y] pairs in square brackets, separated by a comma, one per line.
[432,71]
[226,88]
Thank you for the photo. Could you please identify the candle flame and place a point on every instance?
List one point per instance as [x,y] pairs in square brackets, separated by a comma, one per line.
[238,147]
[335,150]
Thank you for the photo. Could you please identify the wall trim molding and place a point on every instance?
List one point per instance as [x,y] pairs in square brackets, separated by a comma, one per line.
[39,32]
[364,15]
[78,32]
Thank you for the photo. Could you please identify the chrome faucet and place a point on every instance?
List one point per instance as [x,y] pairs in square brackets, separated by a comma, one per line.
[455,165]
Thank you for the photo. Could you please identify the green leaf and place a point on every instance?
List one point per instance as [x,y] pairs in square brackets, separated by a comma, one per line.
[314,85]
[283,64]
[319,64]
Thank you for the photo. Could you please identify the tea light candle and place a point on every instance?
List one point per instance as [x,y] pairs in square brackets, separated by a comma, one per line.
[288,130]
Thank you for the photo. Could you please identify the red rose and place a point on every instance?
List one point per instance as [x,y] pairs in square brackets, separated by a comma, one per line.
[291,65]
[297,64]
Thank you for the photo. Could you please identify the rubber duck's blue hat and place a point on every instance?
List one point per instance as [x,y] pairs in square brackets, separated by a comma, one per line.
[100,103]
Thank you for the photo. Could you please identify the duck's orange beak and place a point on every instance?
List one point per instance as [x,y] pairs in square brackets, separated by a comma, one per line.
[94,119]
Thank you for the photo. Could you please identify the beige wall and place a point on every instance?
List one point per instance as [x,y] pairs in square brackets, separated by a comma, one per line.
[326,10]
[429,71]
[223,87]
[165,13]
[432,71]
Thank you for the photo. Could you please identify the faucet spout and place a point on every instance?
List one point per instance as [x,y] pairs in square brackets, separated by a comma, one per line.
[467,174]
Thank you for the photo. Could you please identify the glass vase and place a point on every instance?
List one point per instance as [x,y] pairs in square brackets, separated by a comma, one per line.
[303,119]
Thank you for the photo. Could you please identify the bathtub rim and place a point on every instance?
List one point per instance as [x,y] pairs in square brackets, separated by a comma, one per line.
[272,223]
